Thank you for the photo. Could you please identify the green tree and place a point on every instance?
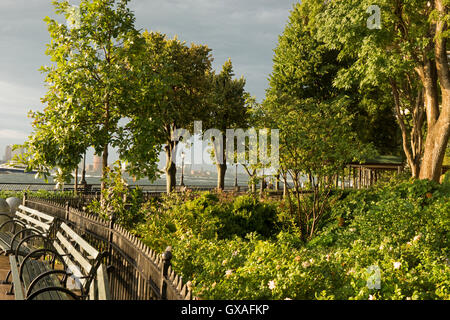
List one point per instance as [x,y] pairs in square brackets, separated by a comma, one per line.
[89,87]
[179,74]
[227,110]
[409,55]
[316,136]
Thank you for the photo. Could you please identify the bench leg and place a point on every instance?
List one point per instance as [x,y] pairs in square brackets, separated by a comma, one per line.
[11,291]
[6,281]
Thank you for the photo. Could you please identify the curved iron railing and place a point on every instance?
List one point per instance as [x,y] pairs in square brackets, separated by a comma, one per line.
[135,271]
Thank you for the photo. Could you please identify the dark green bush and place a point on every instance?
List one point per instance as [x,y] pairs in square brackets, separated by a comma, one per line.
[403,228]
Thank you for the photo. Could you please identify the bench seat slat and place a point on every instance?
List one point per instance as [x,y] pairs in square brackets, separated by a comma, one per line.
[18,290]
[52,281]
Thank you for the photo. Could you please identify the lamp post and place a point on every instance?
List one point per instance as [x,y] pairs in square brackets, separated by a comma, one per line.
[182,169]
[83,174]
[235,177]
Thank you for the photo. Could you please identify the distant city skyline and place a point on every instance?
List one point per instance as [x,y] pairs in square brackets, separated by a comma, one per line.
[10,153]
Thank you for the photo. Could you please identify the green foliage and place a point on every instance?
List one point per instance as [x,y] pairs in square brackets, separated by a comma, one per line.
[43,194]
[174,86]
[91,86]
[402,227]
[122,203]
[205,216]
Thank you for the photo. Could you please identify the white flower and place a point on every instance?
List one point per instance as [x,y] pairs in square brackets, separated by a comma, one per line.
[305,264]
[271,285]
[417,238]
[371,297]
[328,257]
[351,271]
[228,273]
[397,265]
[288,299]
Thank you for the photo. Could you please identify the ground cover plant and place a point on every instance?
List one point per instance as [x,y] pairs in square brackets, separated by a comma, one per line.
[246,248]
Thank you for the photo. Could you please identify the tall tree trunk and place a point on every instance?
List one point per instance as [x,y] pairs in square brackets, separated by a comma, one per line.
[170,169]
[221,170]
[285,186]
[104,173]
[302,219]
[277,182]
[438,121]
[221,162]
[75,187]
[411,136]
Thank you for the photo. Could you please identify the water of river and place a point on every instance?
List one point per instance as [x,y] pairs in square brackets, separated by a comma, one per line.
[11,178]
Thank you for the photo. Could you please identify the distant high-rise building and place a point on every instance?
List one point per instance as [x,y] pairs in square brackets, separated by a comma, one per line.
[8,153]
[18,152]
[97,163]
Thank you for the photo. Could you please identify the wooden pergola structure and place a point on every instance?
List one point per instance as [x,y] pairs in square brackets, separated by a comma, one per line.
[362,175]
[366,174]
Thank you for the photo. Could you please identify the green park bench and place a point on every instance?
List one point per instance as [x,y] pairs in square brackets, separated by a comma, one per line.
[43,273]
[27,226]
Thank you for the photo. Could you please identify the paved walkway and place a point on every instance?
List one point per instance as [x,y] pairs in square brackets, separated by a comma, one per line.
[4,268]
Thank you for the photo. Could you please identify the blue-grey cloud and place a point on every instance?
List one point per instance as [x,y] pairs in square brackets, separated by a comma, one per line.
[245,31]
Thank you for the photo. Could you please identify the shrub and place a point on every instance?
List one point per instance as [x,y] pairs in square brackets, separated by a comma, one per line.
[402,228]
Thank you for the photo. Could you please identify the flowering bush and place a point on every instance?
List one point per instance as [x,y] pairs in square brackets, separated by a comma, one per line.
[399,230]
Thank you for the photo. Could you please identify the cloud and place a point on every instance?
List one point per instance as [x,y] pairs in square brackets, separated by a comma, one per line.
[12,134]
[245,31]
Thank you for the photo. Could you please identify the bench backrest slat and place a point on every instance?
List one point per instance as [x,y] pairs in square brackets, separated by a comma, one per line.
[80,241]
[42,216]
[70,264]
[74,253]
[33,222]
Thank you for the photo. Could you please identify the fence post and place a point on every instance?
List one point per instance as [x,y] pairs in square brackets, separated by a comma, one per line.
[24,200]
[67,211]
[110,237]
[167,256]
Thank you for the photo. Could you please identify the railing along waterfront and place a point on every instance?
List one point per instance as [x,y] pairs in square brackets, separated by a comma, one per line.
[135,271]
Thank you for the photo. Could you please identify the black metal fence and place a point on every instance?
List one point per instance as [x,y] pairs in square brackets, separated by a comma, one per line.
[135,271]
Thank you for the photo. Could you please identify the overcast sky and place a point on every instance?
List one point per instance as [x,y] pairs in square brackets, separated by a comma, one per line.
[246,31]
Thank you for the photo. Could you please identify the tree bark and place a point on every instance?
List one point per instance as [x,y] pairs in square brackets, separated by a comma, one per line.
[75,187]
[170,169]
[438,122]
[411,136]
[104,173]
[221,163]
[221,170]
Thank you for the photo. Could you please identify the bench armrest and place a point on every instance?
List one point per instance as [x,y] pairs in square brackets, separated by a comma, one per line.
[24,240]
[13,221]
[40,253]
[61,289]
[44,275]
